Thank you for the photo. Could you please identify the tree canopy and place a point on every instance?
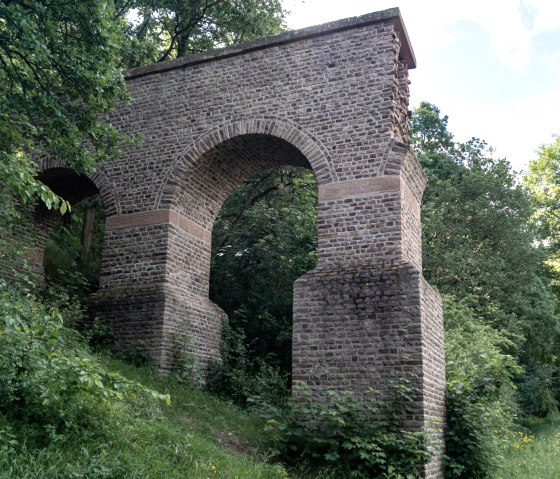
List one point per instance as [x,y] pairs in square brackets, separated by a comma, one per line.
[164,29]
[59,76]
[543,181]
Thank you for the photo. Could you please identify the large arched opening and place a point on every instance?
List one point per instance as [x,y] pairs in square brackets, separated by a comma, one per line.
[258,163]
[264,238]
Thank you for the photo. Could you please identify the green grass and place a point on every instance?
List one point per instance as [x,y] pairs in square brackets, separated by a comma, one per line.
[198,437]
[535,453]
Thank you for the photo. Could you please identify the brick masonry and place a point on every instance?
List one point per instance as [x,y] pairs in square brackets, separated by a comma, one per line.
[332,98]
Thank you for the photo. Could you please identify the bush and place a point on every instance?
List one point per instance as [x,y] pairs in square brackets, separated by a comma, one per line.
[536,390]
[186,367]
[364,437]
[238,376]
[480,394]
[48,380]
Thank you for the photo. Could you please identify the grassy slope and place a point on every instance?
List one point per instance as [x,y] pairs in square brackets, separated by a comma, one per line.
[202,437]
[198,436]
[534,455]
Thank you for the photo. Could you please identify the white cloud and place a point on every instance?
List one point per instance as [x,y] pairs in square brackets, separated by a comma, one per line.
[546,14]
[504,21]
[515,119]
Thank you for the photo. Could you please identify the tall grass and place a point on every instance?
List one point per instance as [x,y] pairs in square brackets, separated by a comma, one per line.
[533,454]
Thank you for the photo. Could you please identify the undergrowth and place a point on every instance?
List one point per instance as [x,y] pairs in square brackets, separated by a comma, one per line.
[196,436]
[361,436]
[66,412]
[533,453]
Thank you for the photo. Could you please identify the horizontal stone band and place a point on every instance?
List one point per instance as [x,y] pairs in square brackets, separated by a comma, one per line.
[367,186]
[155,217]
[345,189]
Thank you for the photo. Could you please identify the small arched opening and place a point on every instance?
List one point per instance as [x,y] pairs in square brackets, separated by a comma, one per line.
[69,246]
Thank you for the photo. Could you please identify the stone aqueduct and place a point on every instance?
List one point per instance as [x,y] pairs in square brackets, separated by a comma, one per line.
[332,98]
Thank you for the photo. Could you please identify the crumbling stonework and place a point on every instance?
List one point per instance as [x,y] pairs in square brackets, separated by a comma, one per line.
[332,98]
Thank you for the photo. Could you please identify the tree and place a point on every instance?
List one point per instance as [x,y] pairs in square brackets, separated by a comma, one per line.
[428,130]
[59,76]
[479,246]
[164,29]
[478,241]
[480,395]
[543,180]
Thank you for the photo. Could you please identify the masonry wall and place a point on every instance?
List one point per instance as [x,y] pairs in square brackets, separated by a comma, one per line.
[333,98]
[333,101]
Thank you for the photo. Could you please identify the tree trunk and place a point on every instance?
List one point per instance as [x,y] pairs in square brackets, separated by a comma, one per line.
[87,230]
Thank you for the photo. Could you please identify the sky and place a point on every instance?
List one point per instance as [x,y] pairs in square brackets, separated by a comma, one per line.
[492,66]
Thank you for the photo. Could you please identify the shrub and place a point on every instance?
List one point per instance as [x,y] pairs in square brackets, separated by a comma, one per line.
[536,390]
[186,368]
[364,437]
[480,394]
[98,334]
[48,380]
[238,376]
[137,354]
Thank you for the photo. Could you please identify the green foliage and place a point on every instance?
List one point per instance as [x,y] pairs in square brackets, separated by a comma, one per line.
[239,375]
[533,453]
[48,382]
[267,225]
[197,436]
[187,368]
[63,262]
[137,354]
[480,395]
[18,175]
[173,28]
[543,180]
[429,132]
[539,389]
[477,234]
[364,437]
[98,334]
[479,245]
[59,76]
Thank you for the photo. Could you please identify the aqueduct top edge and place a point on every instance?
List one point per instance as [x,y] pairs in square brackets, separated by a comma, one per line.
[393,14]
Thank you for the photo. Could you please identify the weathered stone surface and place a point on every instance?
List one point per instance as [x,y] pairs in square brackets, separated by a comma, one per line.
[333,98]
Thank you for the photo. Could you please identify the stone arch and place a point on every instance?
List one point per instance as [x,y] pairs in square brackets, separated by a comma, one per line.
[335,96]
[107,188]
[310,147]
[73,187]
[196,188]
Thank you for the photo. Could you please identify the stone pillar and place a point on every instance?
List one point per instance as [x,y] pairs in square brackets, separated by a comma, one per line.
[366,315]
[154,286]
[131,296]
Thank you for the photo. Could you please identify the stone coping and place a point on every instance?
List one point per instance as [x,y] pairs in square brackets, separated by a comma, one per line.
[284,38]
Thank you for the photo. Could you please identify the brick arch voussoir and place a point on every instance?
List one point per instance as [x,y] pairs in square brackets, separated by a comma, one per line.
[316,154]
[107,189]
